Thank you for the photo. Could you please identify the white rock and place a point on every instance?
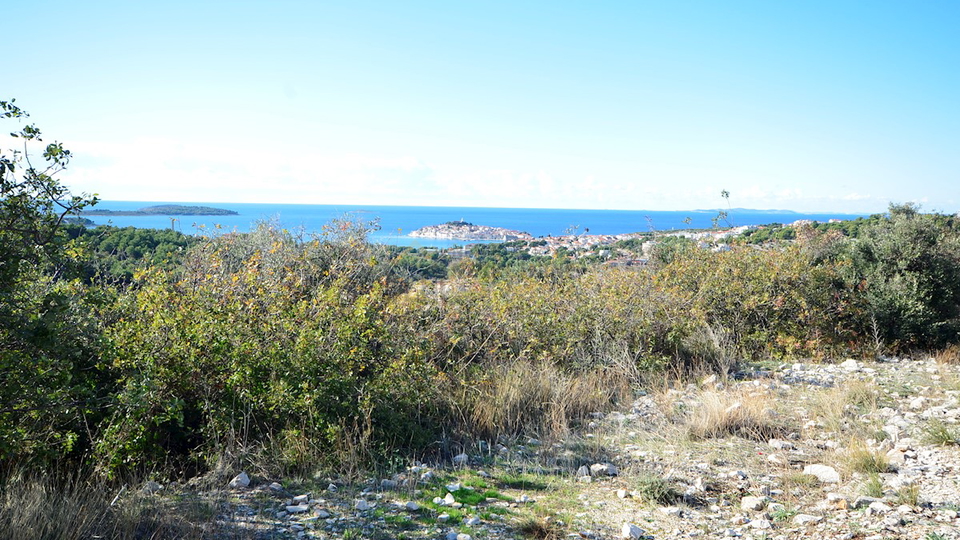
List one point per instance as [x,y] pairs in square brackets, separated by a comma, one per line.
[524,498]
[583,471]
[323,514]
[412,506]
[824,473]
[780,444]
[362,505]
[879,508]
[427,476]
[460,459]
[439,501]
[332,488]
[302,498]
[806,519]
[604,469]
[622,494]
[449,499]
[457,486]
[240,481]
[443,518]
[298,509]
[671,511]
[472,521]
[276,486]
[753,503]
[464,536]
[850,365]
[918,402]
[761,524]
[631,532]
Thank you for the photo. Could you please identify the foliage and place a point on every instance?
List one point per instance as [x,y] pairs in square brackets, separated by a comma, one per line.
[907,267]
[264,338]
[114,254]
[775,302]
[50,384]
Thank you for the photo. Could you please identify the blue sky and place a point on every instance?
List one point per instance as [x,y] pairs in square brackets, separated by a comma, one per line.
[809,106]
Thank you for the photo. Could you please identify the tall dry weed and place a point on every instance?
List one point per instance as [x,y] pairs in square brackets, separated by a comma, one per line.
[43,507]
[743,413]
[536,398]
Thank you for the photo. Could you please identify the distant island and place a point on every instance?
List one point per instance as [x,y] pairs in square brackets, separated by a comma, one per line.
[165,210]
[461,230]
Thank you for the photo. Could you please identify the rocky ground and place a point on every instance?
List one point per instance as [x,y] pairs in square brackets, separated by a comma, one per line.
[841,451]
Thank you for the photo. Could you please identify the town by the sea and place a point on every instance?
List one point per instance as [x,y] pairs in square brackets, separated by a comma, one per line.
[394,223]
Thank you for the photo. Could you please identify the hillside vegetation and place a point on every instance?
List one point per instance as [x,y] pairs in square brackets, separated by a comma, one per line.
[129,352]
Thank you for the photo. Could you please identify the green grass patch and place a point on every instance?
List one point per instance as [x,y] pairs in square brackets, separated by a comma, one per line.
[400,521]
[654,489]
[939,433]
[873,487]
[526,482]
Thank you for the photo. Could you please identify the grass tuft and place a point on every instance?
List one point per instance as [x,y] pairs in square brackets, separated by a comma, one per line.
[738,413]
[873,487]
[655,489]
[864,460]
[541,528]
[937,432]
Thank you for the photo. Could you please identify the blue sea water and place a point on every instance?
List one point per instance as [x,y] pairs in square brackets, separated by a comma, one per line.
[395,222]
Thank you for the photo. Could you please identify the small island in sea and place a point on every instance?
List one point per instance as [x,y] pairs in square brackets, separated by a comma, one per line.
[461,230]
[165,210]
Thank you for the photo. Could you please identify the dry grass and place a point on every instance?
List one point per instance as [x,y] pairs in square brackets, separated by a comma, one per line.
[741,413]
[837,407]
[42,507]
[537,398]
[950,355]
[542,528]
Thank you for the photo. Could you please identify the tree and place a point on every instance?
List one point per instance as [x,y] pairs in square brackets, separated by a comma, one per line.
[33,203]
[49,338]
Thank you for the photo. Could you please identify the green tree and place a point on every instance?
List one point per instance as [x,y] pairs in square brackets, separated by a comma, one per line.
[48,333]
[907,265]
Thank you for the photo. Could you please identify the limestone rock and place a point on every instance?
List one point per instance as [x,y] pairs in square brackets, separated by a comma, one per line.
[240,481]
[386,483]
[824,473]
[806,519]
[879,508]
[850,365]
[780,444]
[753,504]
[604,469]
[631,532]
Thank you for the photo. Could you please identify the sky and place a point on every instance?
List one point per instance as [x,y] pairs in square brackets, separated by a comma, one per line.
[811,106]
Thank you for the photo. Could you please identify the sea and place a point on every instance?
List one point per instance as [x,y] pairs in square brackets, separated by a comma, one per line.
[392,224]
